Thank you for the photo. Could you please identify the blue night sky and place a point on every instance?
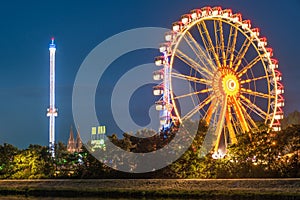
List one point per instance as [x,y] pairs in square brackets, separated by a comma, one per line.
[79,26]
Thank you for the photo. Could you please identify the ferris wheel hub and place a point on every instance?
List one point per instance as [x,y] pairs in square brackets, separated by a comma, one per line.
[226,83]
[230,85]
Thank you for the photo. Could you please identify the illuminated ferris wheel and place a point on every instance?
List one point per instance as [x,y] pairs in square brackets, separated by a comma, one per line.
[219,63]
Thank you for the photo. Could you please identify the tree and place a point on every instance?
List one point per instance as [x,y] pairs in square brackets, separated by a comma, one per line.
[7,153]
[90,167]
[257,154]
[191,163]
[287,142]
[33,162]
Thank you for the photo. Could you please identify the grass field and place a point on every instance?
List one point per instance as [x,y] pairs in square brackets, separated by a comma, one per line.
[156,188]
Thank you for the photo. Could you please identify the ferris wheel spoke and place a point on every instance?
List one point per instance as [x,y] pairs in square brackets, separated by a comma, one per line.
[217,39]
[210,111]
[203,39]
[193,93]
[231,45]
[256,110]
[197,108]
[191,78]
[228,43]
[198,50]
[255,79]
[193,64]
[220,123]
[247,103]
[257,94]
[230,126]
[208,41]
[242,52]
[222,43]
[240,116]
[248,117]
[236,124]
[249,66]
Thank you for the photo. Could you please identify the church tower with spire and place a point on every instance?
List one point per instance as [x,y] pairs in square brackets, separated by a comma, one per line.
[78,142]
[74,145]
[71,142]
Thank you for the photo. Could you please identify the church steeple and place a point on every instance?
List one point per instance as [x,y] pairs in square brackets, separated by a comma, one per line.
[78,142]
[74,145]
[71,142]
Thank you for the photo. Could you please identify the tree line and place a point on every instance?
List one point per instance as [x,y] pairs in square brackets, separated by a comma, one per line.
[257,155]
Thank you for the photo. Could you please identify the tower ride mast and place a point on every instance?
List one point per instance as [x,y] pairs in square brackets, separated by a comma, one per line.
[52,111]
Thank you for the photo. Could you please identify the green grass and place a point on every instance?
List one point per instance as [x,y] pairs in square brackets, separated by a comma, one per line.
[159,188]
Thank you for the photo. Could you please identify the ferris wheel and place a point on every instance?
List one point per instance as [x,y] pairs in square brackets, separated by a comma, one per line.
[231,79]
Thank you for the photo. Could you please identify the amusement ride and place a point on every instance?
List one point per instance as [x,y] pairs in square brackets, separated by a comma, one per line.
[233,79]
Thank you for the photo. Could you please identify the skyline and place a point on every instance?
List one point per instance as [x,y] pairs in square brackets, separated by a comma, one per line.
[79,27]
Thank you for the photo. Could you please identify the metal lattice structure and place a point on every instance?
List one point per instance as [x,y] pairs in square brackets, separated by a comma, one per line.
[234,81]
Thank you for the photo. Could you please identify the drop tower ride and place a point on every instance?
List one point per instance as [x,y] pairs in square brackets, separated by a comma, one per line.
[52,111]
